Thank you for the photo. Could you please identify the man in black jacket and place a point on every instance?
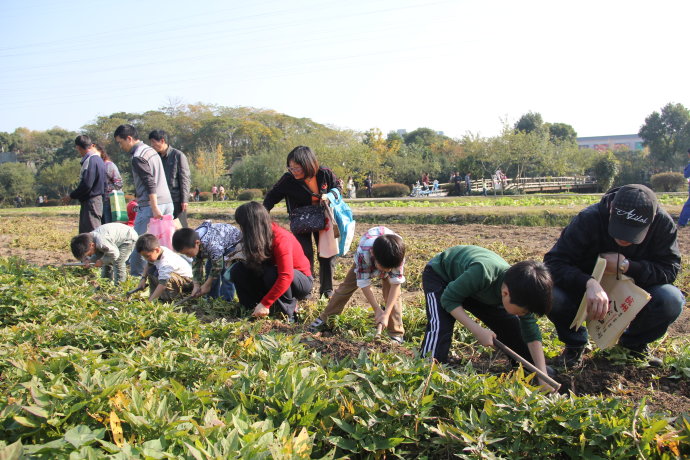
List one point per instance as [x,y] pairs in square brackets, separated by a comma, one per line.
[177,173]
[91,186]
[636,237]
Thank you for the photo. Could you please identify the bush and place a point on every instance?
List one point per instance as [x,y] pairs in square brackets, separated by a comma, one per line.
[669,182]
[250,194]
[205,196]
[390,190]
[52,202]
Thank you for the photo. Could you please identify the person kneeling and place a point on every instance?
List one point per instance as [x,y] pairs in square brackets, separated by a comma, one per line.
[168,274]
[380,253]
[208,246]
[275,273]
[505,298]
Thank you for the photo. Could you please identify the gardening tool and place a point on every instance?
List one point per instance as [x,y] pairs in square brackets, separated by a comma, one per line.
[73,264]
[527,365]
[177,303]
[379,329]
[134,291]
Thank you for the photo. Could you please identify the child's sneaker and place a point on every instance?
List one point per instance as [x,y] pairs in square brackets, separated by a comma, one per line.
[317,326]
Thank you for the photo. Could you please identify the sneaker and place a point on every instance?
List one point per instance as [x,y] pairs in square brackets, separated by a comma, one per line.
[570,358]
[641,353]
[317,326]
[397,339]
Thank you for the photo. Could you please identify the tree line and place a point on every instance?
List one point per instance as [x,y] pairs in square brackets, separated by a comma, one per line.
[244,147]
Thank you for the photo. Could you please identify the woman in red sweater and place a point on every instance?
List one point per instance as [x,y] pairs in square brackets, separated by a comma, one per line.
[275,272]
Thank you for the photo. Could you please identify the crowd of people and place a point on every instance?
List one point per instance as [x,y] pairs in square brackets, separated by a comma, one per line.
[270,269]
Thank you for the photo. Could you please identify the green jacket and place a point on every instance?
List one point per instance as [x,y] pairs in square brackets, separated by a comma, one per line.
[476,272]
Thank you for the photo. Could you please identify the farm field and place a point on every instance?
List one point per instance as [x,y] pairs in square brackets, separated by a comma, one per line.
[86,373]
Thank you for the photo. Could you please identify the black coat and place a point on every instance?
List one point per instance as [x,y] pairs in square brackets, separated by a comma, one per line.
[295,192]
[571,260]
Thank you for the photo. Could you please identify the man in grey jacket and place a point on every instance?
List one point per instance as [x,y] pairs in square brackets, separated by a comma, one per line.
[177,173]
[152,193]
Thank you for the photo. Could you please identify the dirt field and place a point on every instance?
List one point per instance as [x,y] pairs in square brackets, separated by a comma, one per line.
[597,376]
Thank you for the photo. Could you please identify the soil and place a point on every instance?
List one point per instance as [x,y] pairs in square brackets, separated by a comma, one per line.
[598,376]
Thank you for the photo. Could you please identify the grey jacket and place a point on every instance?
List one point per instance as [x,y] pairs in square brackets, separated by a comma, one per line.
[178,175]
[110,238]
[149,175]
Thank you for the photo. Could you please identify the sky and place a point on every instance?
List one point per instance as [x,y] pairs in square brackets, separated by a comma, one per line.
[456,66]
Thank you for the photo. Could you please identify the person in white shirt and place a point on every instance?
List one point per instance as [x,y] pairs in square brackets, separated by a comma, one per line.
[169,275]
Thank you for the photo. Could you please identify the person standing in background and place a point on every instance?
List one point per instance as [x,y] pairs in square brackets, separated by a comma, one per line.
[177,173]
[91,186]
[113,181]
[369,185]
[685,212]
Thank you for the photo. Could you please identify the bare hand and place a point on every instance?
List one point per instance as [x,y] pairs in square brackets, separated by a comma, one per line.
[260,311]
[184,207]
[98,263]
[196,290]
[156,213]
[612,259]
[87,264]
[142,284]
[204,289]
[486,337]
[380,317]
[597,301]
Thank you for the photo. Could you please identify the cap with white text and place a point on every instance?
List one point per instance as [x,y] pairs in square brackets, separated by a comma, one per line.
[632,211]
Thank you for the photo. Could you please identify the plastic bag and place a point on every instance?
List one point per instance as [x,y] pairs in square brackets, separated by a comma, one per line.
[163,229]
[118,206]
[328,245]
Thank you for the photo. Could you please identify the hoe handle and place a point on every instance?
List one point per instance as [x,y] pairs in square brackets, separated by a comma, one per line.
[527,365]
[379,328]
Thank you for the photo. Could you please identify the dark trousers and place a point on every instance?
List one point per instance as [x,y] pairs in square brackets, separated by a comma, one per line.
[440,323]
[90,214]
[178,213]
[325,265]
[650,323]
[107,214]
[252,285]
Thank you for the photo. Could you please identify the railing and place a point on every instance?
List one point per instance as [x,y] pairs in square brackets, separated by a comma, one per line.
[530,184]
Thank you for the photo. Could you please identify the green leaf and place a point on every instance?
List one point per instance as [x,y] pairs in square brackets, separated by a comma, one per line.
[82,434]
[37,411]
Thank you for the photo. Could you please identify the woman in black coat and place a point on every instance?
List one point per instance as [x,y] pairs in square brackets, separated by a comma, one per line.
[306,183]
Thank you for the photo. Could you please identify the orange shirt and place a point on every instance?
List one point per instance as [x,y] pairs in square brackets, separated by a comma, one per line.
[314,187]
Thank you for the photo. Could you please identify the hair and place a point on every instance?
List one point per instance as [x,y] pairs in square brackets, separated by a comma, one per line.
[257,233]
[147,243]
[530,284]
[125,131]
[304,157]
[80,245]
[158,135]
[101,150]
[389,250]
[83,141]
[184,238]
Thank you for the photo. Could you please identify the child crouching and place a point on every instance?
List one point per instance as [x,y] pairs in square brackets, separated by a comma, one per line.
[380,253]
[168,274]
[108,247]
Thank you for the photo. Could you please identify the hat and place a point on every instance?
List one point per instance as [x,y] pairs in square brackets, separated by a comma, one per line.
[632,210]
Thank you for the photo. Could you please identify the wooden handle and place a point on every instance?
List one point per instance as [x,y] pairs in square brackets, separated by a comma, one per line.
[526,364]
[134,291]
[379,329]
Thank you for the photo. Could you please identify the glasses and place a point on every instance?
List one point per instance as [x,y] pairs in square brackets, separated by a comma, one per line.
[295,169]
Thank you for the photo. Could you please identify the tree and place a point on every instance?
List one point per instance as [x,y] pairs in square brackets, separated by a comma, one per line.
[530,122]
[59,179]
[561,132]
[606,169]
[16,179]
[667,134]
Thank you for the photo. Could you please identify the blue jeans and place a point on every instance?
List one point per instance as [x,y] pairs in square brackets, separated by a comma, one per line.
[221,287]
[649,325]
[685,213]
[141,223]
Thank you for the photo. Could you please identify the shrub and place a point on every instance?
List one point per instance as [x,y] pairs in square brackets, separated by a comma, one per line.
[390,190]
[52,202]
[250,194]
[668,182]
[205,196]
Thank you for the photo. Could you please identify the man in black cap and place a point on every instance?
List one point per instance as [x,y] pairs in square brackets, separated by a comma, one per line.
[636,237]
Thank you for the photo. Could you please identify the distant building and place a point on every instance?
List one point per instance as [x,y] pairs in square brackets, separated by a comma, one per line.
[401,132]
[8,157]
[631,142]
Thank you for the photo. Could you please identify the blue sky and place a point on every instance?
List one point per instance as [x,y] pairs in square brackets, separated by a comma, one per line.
[452,65]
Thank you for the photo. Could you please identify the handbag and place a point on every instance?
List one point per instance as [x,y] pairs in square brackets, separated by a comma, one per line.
[307,219]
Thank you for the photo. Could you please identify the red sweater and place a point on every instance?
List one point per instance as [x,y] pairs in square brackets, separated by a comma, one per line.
[288,256]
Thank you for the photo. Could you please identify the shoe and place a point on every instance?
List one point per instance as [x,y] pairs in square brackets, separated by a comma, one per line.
[317,326]
[327,294]
[570,358]
[641,353]
[551,372]
[397,339]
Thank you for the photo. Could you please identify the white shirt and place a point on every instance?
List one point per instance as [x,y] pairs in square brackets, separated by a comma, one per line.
[170,262]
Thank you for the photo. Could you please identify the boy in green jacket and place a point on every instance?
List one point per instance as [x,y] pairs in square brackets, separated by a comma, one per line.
[474,279]
[108,247]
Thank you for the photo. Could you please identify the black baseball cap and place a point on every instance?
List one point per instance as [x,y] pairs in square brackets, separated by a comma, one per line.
[632,211]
